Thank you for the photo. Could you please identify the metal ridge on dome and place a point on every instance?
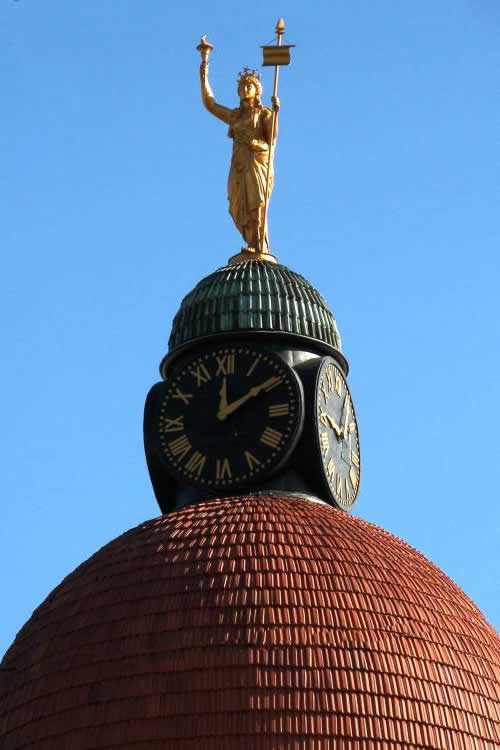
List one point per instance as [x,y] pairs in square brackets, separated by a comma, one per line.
[254,296]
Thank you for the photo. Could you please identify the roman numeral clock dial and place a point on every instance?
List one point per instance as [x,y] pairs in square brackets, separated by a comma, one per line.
[336,433]
[229,417]
[330,445]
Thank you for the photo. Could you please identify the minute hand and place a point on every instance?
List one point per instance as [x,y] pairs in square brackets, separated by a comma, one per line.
[226,410]
[346,417]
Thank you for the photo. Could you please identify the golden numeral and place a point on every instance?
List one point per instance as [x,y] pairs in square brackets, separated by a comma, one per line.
[329,376]
[222,468]
[196,463]
[252,461]
[355,458]
[323,390]
[348,493]
[334,380]
[330,469]
[201,374]
[182,396]
[339,485]
[278,410]
[172,425]
[325,442]
[273,383]
[180,446]
[338,384]
[354,477]
[271,437]
[225,364]
[253,365]
[323,418]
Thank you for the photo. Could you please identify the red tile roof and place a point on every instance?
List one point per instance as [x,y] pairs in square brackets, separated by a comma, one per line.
[256,622]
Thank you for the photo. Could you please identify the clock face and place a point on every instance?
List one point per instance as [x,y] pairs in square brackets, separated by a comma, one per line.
[229,416]
[337,435]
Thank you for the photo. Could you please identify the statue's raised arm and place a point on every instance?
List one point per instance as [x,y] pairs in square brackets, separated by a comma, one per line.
[207,96]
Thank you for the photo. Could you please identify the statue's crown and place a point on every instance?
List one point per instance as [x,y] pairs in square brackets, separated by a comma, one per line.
[249,73]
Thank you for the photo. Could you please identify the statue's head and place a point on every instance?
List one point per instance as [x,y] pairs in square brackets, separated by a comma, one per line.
[249,85]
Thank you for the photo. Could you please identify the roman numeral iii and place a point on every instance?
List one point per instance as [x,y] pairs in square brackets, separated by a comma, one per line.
[278,410]
[325,442]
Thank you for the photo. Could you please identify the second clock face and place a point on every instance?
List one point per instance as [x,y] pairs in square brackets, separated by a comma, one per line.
[229,416]
[337,435]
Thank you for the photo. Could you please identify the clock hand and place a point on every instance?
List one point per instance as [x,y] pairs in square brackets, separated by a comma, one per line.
[226,409]
[223,395]
[333,423]
[347,406]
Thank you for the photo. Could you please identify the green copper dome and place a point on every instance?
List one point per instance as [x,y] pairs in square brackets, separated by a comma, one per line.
[254,296]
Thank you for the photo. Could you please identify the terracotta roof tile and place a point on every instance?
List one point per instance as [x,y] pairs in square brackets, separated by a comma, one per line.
[254,622]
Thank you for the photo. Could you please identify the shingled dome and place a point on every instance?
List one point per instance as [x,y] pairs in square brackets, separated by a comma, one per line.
[254,296]
[259,623]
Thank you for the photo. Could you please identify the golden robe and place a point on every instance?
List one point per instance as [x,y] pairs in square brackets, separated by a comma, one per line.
[246,186]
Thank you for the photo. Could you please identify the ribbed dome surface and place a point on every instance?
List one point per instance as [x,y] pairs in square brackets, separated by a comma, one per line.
[254,296]
[256,622]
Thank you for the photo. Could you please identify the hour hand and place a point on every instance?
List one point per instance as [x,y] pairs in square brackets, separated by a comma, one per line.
[225,409]
[326,418]
[223,397]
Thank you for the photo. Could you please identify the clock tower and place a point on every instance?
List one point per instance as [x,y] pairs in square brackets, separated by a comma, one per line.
[254,396]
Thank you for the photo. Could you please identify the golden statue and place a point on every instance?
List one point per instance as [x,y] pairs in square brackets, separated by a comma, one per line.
[254,129]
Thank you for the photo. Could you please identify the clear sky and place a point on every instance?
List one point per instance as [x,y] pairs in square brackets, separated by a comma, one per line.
[113,205]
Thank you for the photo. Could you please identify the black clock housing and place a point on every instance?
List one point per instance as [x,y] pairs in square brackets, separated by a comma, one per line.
[227,417]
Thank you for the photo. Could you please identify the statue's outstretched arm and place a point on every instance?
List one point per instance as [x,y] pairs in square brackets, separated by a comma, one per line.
[223,113]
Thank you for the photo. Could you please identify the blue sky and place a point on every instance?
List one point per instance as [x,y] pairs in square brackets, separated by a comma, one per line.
[113,206]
